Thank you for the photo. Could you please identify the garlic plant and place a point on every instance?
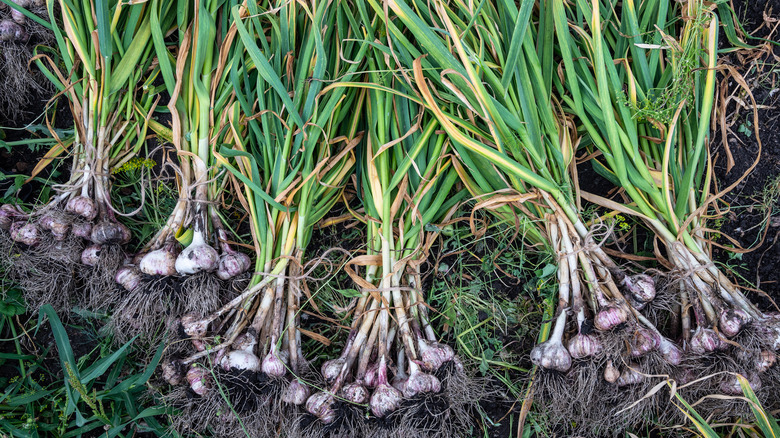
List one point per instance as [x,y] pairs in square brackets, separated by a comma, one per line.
[100,76]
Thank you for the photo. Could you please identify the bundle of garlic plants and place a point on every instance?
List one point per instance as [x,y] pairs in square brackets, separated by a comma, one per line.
[392,359]
[289,146]
[165,281]
[102,51]
[494,94]
[642,86]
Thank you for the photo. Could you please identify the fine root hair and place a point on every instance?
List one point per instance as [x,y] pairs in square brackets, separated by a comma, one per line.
[45,273]
[101,291]
[201,293]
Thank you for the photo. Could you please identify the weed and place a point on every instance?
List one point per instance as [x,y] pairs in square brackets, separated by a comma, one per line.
[69,397]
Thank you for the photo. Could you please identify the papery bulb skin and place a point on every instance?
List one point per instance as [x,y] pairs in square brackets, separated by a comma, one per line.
[730,384]
[58,226]
[609,318]
[19,18]
[159,262]
[433,354]
[399,381]
[371,379]
[321,406]
[91,255]
[46,221]
[670,351]
[611,373]
[458,365]
[355,393]
[110,232]
[581,346]
[11,31]
[704,341]
[193,325]
[82,229]
[59,230]
[769,329]
[172,373]
[274,363]
[199,380]
[643,341]
[232,264]
[82,206]
[9,214]
[636,304]
[641,287]
[242,357]
[385,398]
[630,376]
[732,321]
[129,277]
[198,257]
[766,359]
[26,233]
[419,382]
[331,369]
[551,355]
[296,393]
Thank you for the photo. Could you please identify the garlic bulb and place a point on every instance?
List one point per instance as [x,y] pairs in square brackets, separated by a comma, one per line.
[581,346]
[611,373]
[26,233]
[766,359]
[630,376]
[420,382]
[641,287]
[321,406]
[385,398]
[355,393]
[731,386]
[82,229]
[82,206]
[232,264]
[704,341]
[129,277]
[10,31]
[296,393]
[9,213]
[199,380]
[110,232]
[609,318]
[171,372]
[242,357]
[197,257]
[91,255]
[670,351]
[433,354]
[643,341]
[160,262]
[193,325]
[274,363]
[551,354]
[732,321]
[331,369]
